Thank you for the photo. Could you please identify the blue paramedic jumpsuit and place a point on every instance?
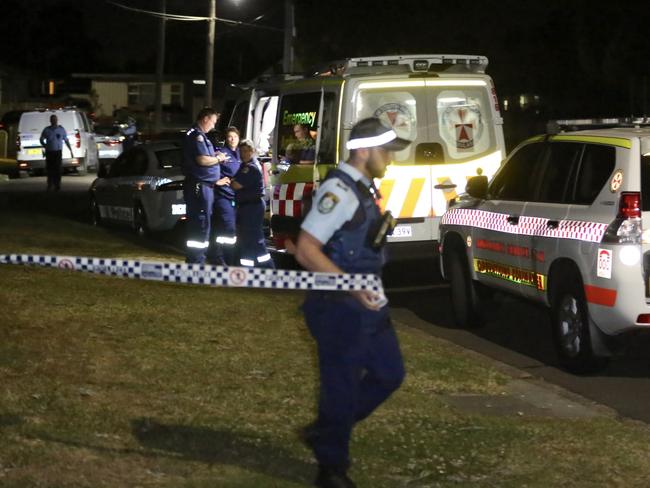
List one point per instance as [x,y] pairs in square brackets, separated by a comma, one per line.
[224,225]
[358,352]
[198,191]
[250,217]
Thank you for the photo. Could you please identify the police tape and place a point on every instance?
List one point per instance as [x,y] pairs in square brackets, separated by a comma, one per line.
[204,274]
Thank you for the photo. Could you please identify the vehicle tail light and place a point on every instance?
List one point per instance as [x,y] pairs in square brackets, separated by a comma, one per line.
[77,137]
[644,318]
[629,206]
[17,143]
[626,228]
[111,142]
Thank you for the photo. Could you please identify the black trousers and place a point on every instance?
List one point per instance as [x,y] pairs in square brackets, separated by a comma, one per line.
[54,169]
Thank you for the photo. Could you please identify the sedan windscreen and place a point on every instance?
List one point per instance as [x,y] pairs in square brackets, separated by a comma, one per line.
[169,158]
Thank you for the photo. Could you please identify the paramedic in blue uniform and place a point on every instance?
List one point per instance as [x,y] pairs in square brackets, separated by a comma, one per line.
[202,174]
[249,195]
[358,354]
[52,138]
[222,251]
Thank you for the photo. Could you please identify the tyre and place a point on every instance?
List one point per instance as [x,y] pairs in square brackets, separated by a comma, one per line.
[95,215]
[465,300]
[140,221]
[571,329]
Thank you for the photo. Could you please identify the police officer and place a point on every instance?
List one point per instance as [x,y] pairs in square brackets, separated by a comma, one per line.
[52,138]
[249,195]
[201,170]
[358,353]
[222,251]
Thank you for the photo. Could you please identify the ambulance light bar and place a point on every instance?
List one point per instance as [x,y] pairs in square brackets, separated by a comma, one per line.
[425,62]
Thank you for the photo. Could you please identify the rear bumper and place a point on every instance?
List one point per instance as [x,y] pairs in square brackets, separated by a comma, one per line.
[411,250]
[40,164]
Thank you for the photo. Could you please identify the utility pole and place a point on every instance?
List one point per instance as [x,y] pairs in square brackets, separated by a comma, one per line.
[287,59]
[160,66]
[209,61]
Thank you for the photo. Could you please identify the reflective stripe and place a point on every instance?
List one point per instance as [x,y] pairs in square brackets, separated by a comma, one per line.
[247,262]
[537,226]
[198,244]
[414,191]
[226,240]
[373,141]
[264,258]
[612,141]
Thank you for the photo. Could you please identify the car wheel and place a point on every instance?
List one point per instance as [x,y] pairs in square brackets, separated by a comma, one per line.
[570,320]
[95,215]
[140,221]
[465,300]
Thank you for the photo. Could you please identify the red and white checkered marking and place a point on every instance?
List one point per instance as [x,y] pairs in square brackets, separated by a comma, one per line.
[537,226]
[288,199]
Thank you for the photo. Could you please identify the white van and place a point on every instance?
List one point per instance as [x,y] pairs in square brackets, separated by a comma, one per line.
[31,155]
[445,104]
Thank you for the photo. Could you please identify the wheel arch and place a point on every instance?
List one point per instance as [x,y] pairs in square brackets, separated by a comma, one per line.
[561,269]
[452,242]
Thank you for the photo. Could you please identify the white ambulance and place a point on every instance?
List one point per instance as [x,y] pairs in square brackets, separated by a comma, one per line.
[445,104]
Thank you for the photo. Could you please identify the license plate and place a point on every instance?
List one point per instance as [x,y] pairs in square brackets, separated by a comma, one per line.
[402,231]
[34,152]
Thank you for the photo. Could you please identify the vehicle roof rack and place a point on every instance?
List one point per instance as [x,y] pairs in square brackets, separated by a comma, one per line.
[564,125]
[407,63]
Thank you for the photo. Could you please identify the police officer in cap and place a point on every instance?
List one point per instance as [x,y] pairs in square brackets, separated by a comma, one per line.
[358,353]
[202,174]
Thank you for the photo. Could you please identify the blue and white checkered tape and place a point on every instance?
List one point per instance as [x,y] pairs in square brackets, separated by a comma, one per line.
[203,274]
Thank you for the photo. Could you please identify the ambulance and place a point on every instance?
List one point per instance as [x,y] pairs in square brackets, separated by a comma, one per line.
[445,104]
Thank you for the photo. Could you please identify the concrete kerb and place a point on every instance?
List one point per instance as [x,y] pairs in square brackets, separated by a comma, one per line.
[525,395]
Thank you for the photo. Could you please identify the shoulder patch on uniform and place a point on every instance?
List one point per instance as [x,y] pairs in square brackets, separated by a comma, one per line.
[327,202]
[199,138]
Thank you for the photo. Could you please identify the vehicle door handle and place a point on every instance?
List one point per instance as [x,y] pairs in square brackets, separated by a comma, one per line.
[553,224]
[513,219]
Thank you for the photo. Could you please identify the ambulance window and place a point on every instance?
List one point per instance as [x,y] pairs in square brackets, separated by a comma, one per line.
[327,130]
[297,128]
[515,180]
[559,165]
[397,109]
[462,121]
[595,168]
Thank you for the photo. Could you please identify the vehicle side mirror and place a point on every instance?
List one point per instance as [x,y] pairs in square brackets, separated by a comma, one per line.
[477,187]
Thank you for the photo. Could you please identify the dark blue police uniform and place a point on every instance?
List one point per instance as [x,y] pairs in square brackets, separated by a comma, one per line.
[198,191]
[358,352]
[224,225]
[250,217]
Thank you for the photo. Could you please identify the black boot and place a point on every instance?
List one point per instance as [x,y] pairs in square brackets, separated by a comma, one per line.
[333,478]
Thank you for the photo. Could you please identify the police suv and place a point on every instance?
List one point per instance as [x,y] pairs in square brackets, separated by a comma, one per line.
[561,223]
[445,104]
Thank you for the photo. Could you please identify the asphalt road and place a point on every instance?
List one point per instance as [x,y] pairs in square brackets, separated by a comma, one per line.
[517,333]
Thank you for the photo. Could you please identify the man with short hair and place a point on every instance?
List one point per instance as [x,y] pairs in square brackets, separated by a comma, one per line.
[202,174]
[358,353]
[52,138]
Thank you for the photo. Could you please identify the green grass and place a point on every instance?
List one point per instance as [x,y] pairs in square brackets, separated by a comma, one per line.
[123,383]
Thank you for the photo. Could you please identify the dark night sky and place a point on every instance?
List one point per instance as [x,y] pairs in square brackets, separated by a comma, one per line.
[582,60]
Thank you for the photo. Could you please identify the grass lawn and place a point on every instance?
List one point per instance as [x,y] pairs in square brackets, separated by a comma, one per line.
[122,383]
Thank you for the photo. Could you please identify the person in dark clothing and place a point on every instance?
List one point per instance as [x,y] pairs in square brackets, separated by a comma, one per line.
[249,195]
[52,138]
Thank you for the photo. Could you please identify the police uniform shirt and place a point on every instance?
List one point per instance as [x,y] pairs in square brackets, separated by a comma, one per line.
[334,204]
[53,138]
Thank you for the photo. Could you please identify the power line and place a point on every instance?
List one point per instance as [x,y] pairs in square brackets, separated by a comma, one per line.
[193,18]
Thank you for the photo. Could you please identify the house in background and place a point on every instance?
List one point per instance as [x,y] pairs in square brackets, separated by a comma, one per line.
[113,93]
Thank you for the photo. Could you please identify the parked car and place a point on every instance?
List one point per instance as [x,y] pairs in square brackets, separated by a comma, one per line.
[109,141]
[142,188]
[31,155]
[563,223]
